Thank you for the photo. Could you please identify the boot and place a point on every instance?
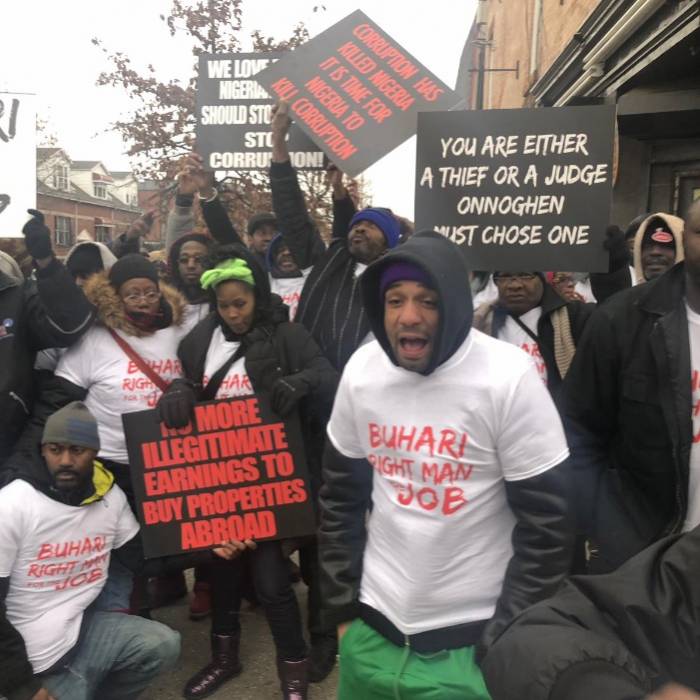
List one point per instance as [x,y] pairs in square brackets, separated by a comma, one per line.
[324,649]
[224,665]
[166,590]
[294,680]
[200,605]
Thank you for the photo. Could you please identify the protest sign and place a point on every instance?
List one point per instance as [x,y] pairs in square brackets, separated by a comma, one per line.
[237,471]
[519,189]
[18,156]
[355,91]
[233,116]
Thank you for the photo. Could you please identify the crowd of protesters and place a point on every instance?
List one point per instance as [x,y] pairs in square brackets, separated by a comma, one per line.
[504,466]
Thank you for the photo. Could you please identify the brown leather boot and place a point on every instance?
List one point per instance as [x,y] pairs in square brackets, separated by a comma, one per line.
[224,665]
[200,605]
[294,679]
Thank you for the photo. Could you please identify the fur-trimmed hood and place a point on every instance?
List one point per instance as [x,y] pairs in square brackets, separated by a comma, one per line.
[110,308]
[675,226]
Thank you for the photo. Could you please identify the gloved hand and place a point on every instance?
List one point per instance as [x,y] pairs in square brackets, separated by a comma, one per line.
[617,248]
[37,236]
[287,392]
[176,405]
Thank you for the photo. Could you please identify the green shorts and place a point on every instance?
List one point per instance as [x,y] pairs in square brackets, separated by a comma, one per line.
[372,668]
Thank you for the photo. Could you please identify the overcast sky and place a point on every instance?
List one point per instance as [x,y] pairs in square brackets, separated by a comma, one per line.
[45,48]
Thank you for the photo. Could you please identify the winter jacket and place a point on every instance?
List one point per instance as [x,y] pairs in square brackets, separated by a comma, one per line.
[273,348]
[57,392]
[613,637]
[675,226]
[51,312]
[542,535]
[331,305]
[627,409]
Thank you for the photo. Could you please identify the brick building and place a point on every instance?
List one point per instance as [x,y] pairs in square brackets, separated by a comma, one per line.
[641,55]
[79,197]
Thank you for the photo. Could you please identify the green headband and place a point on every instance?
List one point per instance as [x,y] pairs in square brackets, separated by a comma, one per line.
[233,269]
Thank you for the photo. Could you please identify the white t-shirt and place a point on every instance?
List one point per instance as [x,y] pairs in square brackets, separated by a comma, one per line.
[194,313]
[442,445]
[236,382]
[115,384]
[56,557]
[512,333]
[289,288]
[693,515]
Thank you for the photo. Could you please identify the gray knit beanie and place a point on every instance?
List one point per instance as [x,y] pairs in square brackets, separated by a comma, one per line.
[72,425]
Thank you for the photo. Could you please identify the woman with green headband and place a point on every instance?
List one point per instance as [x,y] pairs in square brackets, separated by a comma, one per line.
[248,346]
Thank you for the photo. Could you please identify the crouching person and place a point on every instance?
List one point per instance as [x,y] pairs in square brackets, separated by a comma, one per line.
[61,519]
[452,439]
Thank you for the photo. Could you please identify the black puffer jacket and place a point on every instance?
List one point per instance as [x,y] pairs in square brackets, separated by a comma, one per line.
[543,533]
[53,312]
[628,419]
[613,637]
[273,348]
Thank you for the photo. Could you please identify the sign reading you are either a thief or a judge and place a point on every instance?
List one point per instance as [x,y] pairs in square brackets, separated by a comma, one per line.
[519,189]
[234,113]
[236,472]
[355,91]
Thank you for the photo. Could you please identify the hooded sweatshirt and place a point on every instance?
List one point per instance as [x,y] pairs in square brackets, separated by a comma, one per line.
[47,360]
[287,285]
[441,442]
[54,561]
[675,226]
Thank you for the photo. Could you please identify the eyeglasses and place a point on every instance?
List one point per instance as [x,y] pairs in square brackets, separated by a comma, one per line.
[150,297]
[507,278]
[197,259]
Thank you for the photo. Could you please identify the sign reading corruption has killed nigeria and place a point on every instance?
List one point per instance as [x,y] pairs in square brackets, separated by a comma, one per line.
[519,189]
[234,113]
[355,91]
[236,472]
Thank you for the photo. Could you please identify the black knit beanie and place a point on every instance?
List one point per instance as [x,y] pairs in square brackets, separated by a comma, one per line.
[260,219]
[130,267]
[85,260]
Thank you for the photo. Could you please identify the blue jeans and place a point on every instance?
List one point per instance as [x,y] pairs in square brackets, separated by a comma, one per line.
[116,658]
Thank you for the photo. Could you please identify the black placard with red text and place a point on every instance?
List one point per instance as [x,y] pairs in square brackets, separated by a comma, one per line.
[355,91]
[236,472]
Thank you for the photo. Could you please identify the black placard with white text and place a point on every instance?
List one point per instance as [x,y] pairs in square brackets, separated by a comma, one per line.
[519,189]
[233,116]
[237,471]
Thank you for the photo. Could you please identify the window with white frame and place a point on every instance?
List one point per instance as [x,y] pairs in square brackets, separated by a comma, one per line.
[100,189]
[64,231]
[60,177]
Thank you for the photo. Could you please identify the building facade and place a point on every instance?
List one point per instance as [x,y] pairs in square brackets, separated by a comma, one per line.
[641,55]
[83,199]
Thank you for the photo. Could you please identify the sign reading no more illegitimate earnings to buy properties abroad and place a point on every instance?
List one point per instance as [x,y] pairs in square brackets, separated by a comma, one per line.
[355,91]
[234,113]
[236,472]
[519,189]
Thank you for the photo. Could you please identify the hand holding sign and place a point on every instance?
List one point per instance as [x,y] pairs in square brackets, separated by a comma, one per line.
[233,549]
[279,126]
[192,178]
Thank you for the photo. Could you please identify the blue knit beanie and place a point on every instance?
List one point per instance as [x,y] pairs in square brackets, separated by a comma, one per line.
[384,219]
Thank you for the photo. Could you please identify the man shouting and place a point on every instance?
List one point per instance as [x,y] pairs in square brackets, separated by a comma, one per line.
[451,440]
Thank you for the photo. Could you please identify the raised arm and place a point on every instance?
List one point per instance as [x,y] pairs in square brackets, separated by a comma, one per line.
[300,233]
